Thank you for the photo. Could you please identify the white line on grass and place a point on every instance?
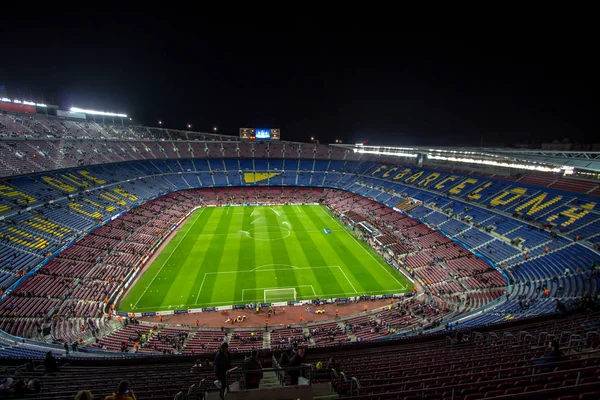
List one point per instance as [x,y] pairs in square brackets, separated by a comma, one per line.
[168,258]
[277,287]
[199,290]
[342,271]
[231,302]
[225,234]
[269,270]
[385,267]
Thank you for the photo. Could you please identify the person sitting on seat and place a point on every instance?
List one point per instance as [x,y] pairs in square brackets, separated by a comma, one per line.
[123,393]
[253,378]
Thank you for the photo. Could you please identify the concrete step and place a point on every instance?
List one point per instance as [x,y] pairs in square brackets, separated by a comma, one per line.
[269,380]
[267,340]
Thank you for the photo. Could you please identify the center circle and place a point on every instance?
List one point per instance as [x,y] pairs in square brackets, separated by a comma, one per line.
[269,232]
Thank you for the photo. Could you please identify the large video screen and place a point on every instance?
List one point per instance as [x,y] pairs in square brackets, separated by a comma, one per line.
[259,134]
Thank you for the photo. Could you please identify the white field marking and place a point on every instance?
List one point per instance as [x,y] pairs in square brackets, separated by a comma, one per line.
[377,292]
[231,302]
[287,225]
[273,265]
[253,270]
[272,288]
[268,239]
[345,276]
[199,290]
[168,258]
[298,207]
[269,270]
[385,267]
[246,232]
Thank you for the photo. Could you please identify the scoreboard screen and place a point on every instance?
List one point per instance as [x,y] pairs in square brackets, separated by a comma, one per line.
[259,134]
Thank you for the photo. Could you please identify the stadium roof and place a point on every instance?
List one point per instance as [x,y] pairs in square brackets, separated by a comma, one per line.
[541,160]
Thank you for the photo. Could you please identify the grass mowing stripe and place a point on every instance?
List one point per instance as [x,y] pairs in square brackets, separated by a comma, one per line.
[181,274]
[286,278]
[359,272]
[325,276]
[173,251]
[246,255]
[230,260]
[212,257]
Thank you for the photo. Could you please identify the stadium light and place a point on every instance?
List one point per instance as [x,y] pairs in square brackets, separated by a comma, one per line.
[189,126]
[94,112]
[500,164]
[6,100]
[160,122]
[385,153]
[214,128]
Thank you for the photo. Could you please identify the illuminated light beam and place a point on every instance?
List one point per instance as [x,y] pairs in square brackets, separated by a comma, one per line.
[385,153]
[94,112]
[566,170]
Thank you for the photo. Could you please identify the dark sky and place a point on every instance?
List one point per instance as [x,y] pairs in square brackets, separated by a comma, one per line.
[445,86]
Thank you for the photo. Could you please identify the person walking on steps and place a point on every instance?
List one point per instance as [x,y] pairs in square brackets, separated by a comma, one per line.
[222,365]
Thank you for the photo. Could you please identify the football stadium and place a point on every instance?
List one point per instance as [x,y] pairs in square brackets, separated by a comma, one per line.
[138,243]
[264,210]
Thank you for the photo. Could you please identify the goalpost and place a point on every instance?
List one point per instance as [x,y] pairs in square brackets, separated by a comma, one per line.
[275,295]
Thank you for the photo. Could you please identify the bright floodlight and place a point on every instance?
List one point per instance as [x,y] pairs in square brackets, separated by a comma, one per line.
[93,112]
[189,126]
[312,138]
[160,122]
[214,128]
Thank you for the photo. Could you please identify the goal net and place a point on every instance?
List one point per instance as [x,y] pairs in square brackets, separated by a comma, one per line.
[275,295]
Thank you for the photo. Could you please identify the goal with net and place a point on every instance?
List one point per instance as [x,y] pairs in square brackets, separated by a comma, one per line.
[275,295]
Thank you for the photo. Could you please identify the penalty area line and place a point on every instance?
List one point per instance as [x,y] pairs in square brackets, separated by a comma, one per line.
[346,276]
[385,267]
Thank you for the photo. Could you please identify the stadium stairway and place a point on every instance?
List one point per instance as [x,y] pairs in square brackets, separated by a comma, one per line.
[269,380]
[267,340]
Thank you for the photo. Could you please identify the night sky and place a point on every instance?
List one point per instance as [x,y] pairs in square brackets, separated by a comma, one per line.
[502,85]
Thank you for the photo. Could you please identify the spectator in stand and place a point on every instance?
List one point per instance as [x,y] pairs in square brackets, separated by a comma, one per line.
[222,365]
[123,393]
[295,363]
[251,363]
[50,363]
[84,395]
[553,355]
[22,387]
[197,367]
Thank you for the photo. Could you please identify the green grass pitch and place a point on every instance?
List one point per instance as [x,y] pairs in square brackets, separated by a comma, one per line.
[231,255]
